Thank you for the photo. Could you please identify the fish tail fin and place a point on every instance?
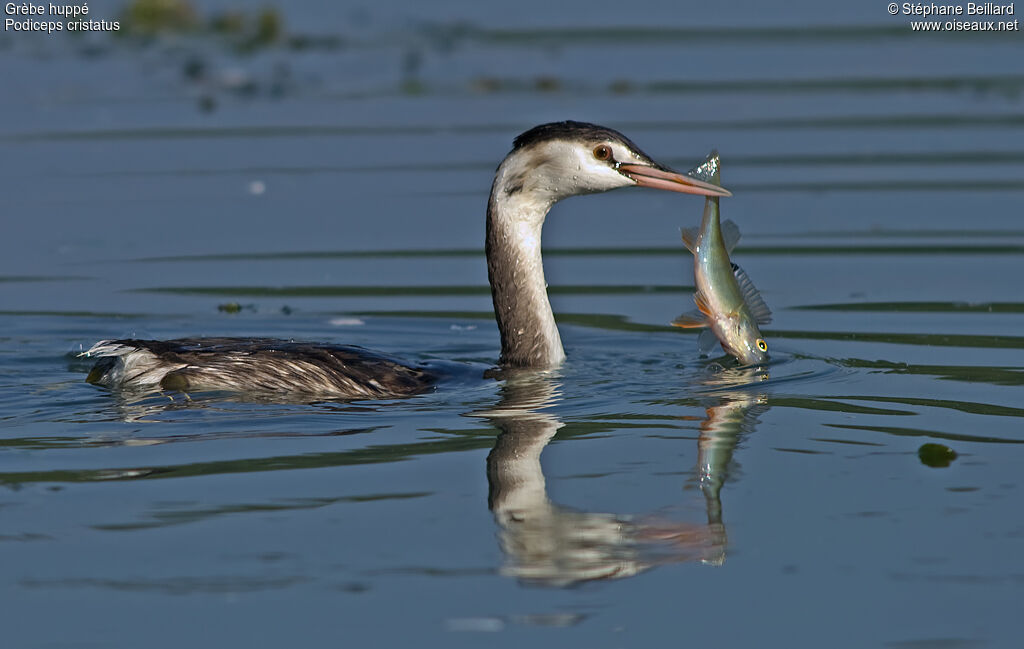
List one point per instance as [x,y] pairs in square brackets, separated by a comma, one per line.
[709,171]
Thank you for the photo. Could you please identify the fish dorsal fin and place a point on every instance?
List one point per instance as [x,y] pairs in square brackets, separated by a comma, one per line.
[690,238]
[702,303]
[758,309]
[691,320]
[709,171]
[730,235]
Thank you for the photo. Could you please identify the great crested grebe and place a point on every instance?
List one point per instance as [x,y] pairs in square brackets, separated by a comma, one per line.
[547,163]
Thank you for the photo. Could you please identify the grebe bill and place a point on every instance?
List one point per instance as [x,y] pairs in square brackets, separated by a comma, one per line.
[547,163]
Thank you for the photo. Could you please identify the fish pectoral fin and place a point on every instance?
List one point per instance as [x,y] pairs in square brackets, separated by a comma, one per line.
[690,238]
[691,320]
[758,309]
[706,342]
[730,235]
[702,304]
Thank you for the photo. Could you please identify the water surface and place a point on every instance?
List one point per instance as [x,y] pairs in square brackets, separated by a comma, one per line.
[641,495]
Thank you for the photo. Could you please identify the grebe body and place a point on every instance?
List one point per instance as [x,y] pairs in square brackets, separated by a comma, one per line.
[547,163]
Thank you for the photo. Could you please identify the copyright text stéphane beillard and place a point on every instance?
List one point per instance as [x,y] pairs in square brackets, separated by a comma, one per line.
[957,17]
[53,17]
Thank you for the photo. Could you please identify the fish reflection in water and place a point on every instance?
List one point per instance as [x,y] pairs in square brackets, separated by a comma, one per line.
[548,544]
[732,411]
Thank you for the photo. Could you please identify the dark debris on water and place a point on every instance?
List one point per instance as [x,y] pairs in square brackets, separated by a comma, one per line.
[197,40]
[937,456]
[242,31]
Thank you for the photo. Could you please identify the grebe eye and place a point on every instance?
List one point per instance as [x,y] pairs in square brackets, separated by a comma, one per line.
[762,345]
[603,152]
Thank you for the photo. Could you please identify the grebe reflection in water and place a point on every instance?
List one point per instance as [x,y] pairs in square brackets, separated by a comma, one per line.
[547,163]
[551,545]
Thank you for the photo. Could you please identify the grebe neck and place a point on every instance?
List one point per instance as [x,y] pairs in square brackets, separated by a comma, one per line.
[515,217]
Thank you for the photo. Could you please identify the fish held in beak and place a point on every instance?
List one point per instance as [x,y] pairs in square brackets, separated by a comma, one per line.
[647,176]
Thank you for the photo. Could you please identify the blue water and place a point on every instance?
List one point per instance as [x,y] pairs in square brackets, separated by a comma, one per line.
[638,496]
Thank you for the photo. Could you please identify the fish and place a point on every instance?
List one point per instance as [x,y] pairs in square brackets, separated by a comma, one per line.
[728,304]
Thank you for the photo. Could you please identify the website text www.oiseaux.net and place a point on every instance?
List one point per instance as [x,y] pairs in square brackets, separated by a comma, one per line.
[968,17]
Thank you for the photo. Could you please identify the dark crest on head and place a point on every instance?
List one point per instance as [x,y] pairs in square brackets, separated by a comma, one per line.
[570,130]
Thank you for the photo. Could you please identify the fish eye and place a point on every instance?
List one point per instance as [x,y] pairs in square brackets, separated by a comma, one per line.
[762,345]
[603,152]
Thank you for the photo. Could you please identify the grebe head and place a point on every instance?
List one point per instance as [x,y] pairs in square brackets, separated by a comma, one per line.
[554,161]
